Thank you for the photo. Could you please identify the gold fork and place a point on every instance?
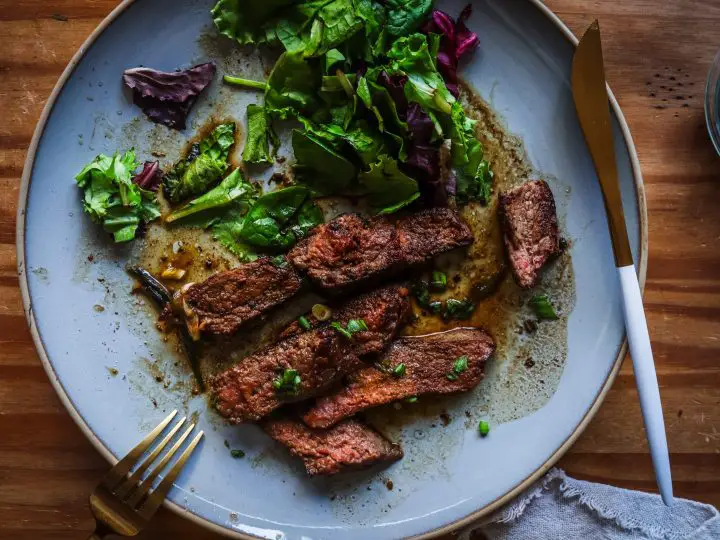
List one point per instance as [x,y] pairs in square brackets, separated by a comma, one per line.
[124,504]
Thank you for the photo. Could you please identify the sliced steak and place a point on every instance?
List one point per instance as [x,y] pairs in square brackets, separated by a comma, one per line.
[383,310]
[227,300]
[351,249]
[530,227]
[349,445]
[246,392]
[429,369]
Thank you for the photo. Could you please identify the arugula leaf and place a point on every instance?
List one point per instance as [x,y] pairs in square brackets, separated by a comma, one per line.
[390,189]
[206,162]
[404,16]
[473,174]
[259,132]
[279,219]
[292,87]
[320,167]
[411,57]
[232,190]
[112,199]
[244,21]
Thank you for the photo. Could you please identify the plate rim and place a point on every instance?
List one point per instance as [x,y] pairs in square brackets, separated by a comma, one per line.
[188,514]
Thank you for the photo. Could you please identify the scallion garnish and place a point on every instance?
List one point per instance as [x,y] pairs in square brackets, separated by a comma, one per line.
[438,281]
[356,325]
[288,382]
[321,312]
[542,307]
[399,370]
[459,366]
[458,309]
[411,399]
[304,323]
[483,428]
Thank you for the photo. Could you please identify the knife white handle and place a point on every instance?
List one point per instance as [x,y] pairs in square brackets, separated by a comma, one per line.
[646,379]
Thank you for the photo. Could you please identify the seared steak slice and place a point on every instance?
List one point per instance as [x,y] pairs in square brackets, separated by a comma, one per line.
[347,446]
[246,392]
[227,300]
[429,369]
[351,249]
[529,222]
[383,310]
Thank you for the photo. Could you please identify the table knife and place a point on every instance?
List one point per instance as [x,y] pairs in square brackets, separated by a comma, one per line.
[591,101]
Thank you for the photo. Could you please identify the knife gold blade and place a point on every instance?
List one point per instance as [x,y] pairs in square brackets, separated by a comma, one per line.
[593,109]
[591,101]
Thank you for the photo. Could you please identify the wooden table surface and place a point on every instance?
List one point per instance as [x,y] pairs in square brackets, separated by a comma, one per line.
[657,56]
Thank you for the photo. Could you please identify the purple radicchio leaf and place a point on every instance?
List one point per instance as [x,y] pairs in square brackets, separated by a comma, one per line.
[149,178]
[166,98]
[456,41]
[423,164]
[419,124]
[395,85]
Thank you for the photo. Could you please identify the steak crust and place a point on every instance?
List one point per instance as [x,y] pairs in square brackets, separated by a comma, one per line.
[349,445]
[428,361]
[351,250]
[529,222]
[227,300]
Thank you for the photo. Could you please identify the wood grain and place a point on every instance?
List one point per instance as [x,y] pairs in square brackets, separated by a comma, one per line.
[657,56]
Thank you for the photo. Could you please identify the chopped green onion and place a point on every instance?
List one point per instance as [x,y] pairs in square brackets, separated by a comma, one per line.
[287,382]
[246,83]
[279,261]
[484,428]
[321,312]
[304,323]
[339,327]
[543,308]
[399,370]
[435,307]
[458,309]
[356,325]
[460,365]
[420,291]
[237,454]
[439,281]
[411,399]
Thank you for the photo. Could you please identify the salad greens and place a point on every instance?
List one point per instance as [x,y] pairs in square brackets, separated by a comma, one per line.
[259,136]
[112,197]
[374,85]
[206,162]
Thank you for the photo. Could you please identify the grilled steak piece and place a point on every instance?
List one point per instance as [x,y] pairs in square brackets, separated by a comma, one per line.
[347,446]
[351,249]
[227,300]
[429,369]
[383,310]
[529,222]
[320,358]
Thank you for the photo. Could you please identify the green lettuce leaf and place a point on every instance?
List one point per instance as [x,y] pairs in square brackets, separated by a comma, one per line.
[410,56]
[320,167]
[333,57]
[259,135]
[388,187]
[405,16]
[111,198]
[292,87]
[474,177]
[232,191]
[202,167]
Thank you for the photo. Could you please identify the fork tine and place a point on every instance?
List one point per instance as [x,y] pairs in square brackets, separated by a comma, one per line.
[146,484]
[127,486]
[118,472]
[158,495]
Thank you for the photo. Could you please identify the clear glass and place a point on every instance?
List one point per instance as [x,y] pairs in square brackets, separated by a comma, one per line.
[712,102]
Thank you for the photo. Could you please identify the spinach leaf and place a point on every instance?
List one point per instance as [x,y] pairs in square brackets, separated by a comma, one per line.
[112,199]
[373,16]
[320,167]
[404,16]
[292,87]
[233,190]
[205,163]
[259,133]
[244,21]
[333,57]
[279,219]
[473,174]
[389,188]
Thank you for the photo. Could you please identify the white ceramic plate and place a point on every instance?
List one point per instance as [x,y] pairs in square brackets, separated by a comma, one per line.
[523,70]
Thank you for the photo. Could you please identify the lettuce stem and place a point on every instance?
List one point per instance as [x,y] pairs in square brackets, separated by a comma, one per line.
[246,83]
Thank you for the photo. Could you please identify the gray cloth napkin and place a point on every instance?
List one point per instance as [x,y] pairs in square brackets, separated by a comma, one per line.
[562,508]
